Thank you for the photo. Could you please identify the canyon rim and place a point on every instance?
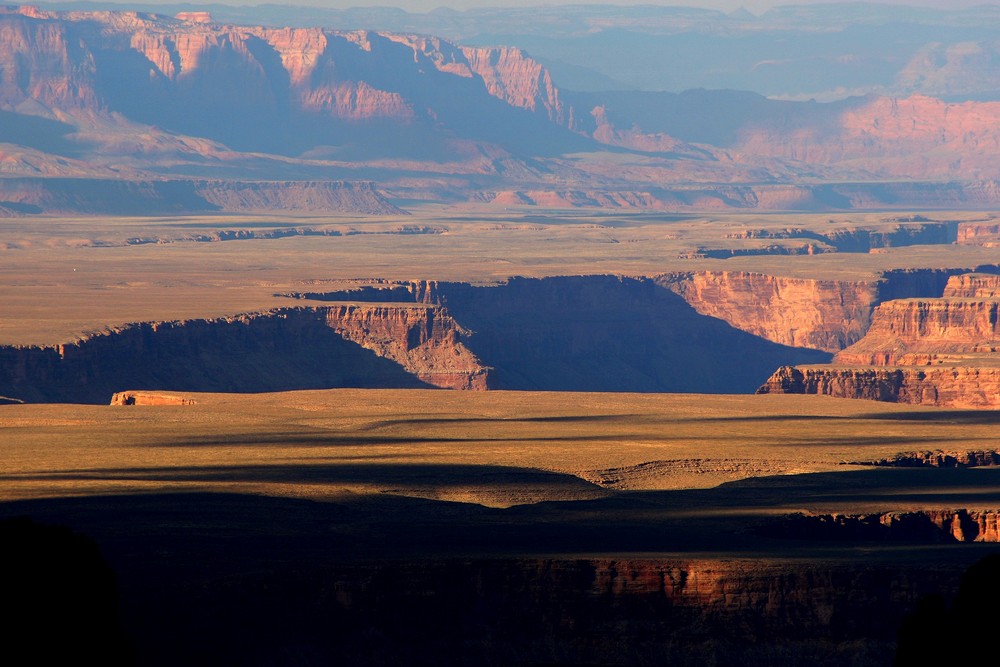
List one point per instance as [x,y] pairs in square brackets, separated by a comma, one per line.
[587,334]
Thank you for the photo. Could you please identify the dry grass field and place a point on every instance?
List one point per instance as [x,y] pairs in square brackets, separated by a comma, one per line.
[496,449]
[62,277]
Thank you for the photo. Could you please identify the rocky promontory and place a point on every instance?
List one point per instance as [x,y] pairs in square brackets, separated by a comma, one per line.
[939,351]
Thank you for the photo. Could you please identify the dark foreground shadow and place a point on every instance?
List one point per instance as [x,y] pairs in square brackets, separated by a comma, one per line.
[976,607]
[60,599]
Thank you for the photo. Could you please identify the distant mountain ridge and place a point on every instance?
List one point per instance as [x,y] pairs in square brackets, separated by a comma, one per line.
[141,97]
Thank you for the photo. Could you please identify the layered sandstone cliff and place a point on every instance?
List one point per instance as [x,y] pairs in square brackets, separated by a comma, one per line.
[186,95]
[985,234]
[596,333]
[940,351]
[289,348]
[933,526]
[821,314]
[424,340]
[911,332]
[951,386]
[973,286]
[582,333]
[827,315]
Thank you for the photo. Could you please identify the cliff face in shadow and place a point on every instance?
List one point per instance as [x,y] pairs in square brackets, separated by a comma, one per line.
[593,333]
[583,333]
[276,351]
[603,333]
[193,596]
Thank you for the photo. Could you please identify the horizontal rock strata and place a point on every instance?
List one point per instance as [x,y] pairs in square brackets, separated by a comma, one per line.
[951,386]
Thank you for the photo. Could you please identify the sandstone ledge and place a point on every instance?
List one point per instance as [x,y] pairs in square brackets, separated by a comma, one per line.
[952,386]
[150,398]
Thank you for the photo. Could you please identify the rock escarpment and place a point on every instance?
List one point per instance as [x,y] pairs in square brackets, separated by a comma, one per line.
[821,314]
[973,286]
[150,398]
[425,341]
[593,333]
[928,526]
[984,234]
[282,349]
[943,351]
[827,315]
[952,386]
[916,332]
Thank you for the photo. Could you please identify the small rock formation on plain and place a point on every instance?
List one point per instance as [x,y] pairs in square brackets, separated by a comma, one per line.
[150,398]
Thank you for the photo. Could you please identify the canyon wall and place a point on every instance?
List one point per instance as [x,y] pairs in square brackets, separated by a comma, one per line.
[640,611]
[826,315]
[425,341]
[283,349]
[582,333]
[821,314]
[912,332]
[188,95]
[935,351]
[600,333]
[984,234]
[973,286]
[951,386]
[927,526]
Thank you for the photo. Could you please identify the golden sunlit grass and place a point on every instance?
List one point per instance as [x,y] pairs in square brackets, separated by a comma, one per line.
[495,448]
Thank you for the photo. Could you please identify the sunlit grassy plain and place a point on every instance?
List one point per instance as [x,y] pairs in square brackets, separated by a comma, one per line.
[495,449]
[62,277]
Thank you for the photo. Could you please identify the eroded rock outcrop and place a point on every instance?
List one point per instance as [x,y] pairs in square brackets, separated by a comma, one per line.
[821,314]
[938,459]
[281,349]
[594,333]
[952,386]
[150,398]
[973,286]
[426,341]
[985,234]
[572,333]
[912,332]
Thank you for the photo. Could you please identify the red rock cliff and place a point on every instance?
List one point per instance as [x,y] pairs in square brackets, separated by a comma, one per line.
[973,286]
[914,332]
[822,314]
[952,386]
[515,78]
[425,341]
